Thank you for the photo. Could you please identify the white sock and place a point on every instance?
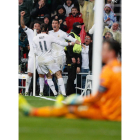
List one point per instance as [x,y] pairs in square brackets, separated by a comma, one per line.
[51,85]
[28,81]
[41,82]
[61,86]
[58,86]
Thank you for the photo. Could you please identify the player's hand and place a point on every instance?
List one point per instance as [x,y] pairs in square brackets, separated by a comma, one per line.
[73,60]
[78,70]
[72,43]
[74,100]
[22,13]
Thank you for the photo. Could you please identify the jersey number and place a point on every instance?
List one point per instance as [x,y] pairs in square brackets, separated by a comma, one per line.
[45,46]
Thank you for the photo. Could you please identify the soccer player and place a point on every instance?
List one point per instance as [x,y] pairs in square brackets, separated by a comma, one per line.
[43,49]
[58,50]
[30,35]
[104,105]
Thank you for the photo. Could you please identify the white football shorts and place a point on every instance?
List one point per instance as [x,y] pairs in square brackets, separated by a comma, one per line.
[46,64]
[61,61]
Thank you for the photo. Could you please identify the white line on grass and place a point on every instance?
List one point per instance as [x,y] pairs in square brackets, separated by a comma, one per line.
[49,99]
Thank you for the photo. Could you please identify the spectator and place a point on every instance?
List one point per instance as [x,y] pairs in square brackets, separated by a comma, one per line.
[115,7]
[111,4]
[54,4]
[73,17]
[47,20]
[68,5]
[60,16]
[115,31]
[86,58]
[109,16]
[86,8]
[40,10]
[108,35]
[24,6]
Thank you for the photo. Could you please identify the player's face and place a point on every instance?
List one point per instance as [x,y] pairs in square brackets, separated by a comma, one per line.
[105,52]
[108,35]
[37,27]
[60,11]
[74,12]
[46,20]
[87,40]
[69,2]
[55,25]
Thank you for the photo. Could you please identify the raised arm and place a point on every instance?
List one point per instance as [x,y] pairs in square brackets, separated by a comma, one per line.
[22,19]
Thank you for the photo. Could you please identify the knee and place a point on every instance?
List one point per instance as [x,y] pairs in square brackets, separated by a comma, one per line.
[30,74]
[58,74]
[41,75]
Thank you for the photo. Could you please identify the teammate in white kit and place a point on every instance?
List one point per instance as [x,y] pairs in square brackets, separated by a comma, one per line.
[43,49]
[58,50]
[30,35]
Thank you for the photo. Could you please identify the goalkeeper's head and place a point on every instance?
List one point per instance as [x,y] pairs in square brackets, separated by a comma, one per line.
[111,50]
[44,28]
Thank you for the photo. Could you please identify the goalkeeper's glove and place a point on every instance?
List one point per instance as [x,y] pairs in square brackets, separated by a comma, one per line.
[74,100]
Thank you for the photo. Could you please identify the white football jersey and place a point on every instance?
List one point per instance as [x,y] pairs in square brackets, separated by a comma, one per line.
[58,50]
[30,35]
[43,44]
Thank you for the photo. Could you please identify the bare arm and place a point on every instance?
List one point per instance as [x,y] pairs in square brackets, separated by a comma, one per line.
[22,19]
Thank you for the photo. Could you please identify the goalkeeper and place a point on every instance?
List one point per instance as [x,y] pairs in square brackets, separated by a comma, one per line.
[104,105]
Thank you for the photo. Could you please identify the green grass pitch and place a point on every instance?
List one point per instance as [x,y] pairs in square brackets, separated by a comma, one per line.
[33,128]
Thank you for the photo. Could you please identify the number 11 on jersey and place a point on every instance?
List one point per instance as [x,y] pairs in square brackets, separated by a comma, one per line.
[44,48]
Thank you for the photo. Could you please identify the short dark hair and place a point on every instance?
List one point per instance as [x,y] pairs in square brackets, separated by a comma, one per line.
[89,35]
[34,22]
[74,8]
[114,45]
[56,20]
[44,27]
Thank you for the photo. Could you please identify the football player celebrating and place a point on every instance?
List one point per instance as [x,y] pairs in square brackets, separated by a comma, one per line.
[30,35]
[42,44]
[58,50]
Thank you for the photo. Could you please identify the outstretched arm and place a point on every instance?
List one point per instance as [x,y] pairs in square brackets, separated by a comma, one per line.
[22,19]
[55,40]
